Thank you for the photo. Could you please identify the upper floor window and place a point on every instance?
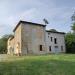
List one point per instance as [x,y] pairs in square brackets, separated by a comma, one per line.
[55,40]
[48,33]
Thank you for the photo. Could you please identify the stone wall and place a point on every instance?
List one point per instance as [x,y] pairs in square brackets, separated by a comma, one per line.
[29,38]
[17,40]
[60,42]
[32,37]
[10,46]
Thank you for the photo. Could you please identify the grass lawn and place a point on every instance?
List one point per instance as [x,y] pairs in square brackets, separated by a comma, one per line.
[63,64]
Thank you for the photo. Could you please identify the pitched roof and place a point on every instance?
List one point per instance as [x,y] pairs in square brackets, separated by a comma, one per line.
[25,22]
[55,32]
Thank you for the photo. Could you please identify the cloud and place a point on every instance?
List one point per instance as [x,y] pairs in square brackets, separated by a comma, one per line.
[57,12]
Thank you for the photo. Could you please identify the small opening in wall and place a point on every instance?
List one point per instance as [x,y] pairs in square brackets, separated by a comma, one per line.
[61,48]
[49,48]
[41,48]
[48,33]
[55,40]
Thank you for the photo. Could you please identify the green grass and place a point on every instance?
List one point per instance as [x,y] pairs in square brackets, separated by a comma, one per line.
[63,64]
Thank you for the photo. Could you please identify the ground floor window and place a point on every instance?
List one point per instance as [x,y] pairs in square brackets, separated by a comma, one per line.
[41,48]
[56,49]
[61,48]
[56,46]
[49,48]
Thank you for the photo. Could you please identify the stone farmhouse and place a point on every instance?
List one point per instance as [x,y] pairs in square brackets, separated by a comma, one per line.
[33,38]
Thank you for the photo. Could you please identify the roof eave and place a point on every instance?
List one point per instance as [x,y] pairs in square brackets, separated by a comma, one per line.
[56,32]
[28,23]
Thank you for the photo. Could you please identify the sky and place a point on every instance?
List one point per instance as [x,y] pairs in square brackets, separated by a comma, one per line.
[57,12]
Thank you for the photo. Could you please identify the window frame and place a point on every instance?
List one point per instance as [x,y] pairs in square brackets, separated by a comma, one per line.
[62,48]
[55,40]
[50,48]
[41,47]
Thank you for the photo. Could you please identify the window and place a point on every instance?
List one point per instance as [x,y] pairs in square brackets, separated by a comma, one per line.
[48,33]
[56,46]
[40,47]
[61,48]
[51,39]
[49,48]
[56,49]
[55,40]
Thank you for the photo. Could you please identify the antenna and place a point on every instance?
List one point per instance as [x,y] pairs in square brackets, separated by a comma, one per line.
[45,21]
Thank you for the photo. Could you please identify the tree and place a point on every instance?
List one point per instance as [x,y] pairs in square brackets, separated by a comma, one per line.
[73,20]
[73,27]
[70,37]
[70,43]
[3,43]
[53,30]
[73,17]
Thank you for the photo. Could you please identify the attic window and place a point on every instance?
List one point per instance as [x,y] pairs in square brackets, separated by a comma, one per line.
[48,33]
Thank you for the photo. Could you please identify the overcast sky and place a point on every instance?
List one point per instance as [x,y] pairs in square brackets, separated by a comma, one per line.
[57,12]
